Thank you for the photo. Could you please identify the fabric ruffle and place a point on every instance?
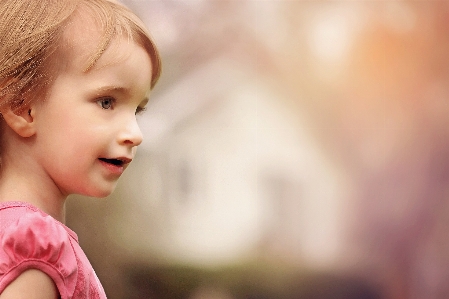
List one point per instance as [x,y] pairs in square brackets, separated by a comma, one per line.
[37,241]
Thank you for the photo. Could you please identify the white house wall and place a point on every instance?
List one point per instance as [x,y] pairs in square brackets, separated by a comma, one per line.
[217,157]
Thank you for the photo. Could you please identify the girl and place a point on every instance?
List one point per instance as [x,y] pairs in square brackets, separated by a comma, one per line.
[73,76]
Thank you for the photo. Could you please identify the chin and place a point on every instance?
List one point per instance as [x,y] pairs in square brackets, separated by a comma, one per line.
[102,193]
[98,192]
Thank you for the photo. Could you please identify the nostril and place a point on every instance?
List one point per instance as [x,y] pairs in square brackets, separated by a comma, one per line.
[131,134]
[134,140]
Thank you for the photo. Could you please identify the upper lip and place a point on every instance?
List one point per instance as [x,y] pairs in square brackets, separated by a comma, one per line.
[125,160]
[117,160]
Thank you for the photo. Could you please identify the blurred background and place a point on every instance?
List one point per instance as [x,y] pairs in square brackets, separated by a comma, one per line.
[293,149]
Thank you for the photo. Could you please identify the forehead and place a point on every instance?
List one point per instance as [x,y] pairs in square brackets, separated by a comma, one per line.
[84,42]
[81,37]
[123,63]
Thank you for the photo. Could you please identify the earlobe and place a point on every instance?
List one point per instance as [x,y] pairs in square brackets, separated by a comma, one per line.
[20,121]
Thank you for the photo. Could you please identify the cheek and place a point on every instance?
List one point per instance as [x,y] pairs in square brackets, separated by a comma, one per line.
[63,132]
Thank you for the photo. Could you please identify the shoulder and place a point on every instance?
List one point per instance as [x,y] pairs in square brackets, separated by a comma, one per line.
[25,286]
[34,240]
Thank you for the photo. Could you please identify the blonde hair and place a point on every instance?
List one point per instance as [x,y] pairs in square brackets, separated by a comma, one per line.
[31,31]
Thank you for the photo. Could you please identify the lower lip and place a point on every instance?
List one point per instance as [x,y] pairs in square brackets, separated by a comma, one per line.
[114,169]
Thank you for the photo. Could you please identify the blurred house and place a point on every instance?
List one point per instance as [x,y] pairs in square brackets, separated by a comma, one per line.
[307,132]
[313,133]
[229,173]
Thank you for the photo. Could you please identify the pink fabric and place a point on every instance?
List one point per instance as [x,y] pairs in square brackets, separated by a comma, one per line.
[31,239]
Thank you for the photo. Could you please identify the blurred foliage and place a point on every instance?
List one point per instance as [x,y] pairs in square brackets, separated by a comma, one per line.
[245,281]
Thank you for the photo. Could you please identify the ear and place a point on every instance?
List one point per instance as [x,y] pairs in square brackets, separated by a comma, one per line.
[20,120]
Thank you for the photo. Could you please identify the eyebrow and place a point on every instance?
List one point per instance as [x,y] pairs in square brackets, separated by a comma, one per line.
[119,89]
[111,88]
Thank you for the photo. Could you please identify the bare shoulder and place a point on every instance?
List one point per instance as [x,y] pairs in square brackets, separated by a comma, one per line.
[31,284]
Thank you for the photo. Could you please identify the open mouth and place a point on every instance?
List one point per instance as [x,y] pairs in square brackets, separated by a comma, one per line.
[116,162]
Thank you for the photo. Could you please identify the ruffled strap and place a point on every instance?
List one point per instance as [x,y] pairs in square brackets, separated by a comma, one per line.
[37,241]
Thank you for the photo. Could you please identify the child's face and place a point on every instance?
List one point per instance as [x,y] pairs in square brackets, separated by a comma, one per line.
[86,128]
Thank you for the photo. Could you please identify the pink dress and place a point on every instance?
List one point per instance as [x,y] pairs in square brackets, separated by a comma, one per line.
[31,239]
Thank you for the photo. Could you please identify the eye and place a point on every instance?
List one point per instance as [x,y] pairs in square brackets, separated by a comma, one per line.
[140,110]
[106,103]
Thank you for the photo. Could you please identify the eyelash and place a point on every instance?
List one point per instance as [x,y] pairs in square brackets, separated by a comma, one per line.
[140,110]
[110,102]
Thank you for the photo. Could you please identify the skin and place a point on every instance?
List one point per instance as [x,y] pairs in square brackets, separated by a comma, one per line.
[53,148]
[25,286]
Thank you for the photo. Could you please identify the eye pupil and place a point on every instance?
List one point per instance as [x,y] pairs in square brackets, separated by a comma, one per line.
[105,103]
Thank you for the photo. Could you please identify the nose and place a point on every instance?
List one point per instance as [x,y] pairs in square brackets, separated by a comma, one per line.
[131,133]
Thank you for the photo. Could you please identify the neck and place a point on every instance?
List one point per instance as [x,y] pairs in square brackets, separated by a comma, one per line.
[16,186]
[47,205]
[23,179]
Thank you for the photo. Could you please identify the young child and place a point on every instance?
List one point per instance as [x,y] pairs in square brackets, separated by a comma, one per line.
[73,76]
